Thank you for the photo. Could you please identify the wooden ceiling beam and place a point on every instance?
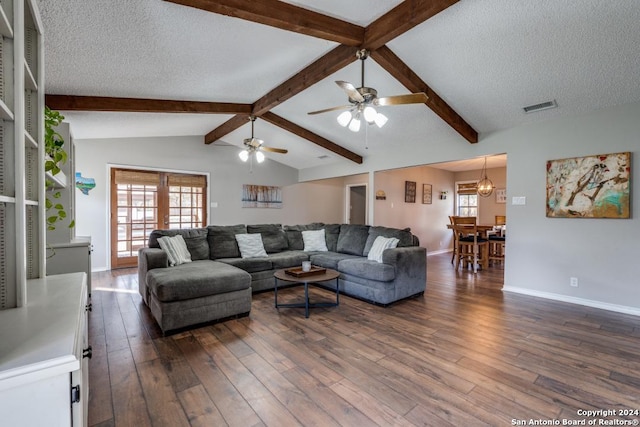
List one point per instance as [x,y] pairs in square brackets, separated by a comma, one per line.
[310,136]
[284,16]
[401,19]
[333,61]
[401,72]
[227,127]
[140,105]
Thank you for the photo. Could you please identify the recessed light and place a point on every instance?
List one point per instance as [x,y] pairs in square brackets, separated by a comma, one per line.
[539,107]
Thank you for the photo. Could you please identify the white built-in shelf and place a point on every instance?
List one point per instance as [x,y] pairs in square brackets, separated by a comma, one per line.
[7,199]
[5,112]
[29,79]
[5,25]
[59,180]
[29,141]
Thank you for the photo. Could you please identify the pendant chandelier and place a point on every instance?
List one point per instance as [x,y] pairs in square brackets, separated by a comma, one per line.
[485,186]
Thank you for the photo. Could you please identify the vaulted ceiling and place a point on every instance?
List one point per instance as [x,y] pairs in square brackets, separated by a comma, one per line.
[201,67]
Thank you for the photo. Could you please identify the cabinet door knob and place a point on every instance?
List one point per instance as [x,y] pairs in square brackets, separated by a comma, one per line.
[87,352]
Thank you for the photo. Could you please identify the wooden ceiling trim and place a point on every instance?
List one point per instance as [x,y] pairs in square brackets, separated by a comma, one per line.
[333,61]
[141,105]
[310,136]
[401,19]
[401,72]
[227,127]
[285,16]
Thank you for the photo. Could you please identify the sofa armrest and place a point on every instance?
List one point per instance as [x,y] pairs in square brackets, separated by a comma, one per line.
[148,259]
[410,264]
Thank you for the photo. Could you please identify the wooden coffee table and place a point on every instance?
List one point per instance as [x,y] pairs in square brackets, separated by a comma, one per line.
[313,279]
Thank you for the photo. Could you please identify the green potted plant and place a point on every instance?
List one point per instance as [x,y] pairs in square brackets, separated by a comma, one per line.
[55,157]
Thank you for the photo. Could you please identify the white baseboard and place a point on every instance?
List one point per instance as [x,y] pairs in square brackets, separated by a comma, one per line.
[574,300]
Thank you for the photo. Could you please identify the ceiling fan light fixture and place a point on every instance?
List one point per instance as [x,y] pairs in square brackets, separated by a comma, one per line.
[344,118]
[354,125]
[369,113]
[259,156]
[380,120]
[244,155]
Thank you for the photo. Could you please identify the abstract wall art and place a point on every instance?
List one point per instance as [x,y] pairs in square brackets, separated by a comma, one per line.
[261,196]
[589,187]
[409,191]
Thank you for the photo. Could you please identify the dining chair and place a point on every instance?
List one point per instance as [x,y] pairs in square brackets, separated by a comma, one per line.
[453,219]
[470,248]
[497,240]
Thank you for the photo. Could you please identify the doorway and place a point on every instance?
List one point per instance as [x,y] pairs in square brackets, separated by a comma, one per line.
[356,204]
[145,200]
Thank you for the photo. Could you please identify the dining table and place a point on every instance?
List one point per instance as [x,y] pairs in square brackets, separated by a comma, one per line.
[482,228]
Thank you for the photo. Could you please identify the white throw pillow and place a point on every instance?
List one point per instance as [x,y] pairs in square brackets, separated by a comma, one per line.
[251,245]
[379,245]
[176,249]
[314,241]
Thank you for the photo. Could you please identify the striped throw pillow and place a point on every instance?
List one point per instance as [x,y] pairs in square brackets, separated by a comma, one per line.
[176,249]
[251,245]
[379,245]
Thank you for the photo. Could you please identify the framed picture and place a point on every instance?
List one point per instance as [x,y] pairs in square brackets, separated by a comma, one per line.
[589,187]
[501,195]
[409,192]
[426,194]
[261,196]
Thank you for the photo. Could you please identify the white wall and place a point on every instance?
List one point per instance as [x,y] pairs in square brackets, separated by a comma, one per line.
[543,253]
[302,203]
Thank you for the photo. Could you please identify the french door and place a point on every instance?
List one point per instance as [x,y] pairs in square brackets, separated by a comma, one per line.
[142,201]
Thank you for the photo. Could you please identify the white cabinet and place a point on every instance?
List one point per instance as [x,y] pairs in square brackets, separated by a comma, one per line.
[73,256]
[42,347]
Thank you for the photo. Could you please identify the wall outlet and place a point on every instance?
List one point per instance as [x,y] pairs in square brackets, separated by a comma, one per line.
[573,281]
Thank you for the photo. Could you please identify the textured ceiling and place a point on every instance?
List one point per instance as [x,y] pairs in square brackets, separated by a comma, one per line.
[486,58]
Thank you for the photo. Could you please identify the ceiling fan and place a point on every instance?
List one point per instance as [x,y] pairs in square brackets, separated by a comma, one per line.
[254,146]
[363,101]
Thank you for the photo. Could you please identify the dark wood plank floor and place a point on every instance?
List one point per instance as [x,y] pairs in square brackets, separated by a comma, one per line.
[465,354]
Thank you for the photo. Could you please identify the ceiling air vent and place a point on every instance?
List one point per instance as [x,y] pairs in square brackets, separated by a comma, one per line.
[539,107]
[324,156]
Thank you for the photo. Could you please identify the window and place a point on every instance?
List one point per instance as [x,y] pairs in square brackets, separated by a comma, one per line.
[467,199]
[142,201]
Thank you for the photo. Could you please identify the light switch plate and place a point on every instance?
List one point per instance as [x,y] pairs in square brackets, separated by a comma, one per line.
[519,200]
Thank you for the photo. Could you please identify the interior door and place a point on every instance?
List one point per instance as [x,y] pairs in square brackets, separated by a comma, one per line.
[358,204]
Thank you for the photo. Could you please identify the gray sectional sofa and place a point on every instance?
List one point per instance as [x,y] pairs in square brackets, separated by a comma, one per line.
[218,283]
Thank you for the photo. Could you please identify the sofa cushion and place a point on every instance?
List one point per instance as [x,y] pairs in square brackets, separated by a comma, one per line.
[196,279]
[288,259]
[222,240]
[352,239]
[273,236]
[250,265]
[331,234]
[404,236]
[195,238]
[294,234]
[329,259]
[367,269]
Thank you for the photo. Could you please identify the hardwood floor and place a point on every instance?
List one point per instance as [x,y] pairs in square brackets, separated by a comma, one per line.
[465,354]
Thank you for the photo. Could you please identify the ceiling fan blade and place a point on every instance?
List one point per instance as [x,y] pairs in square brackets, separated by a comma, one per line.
[350,90]
[274,150]
[326,110]
[410,98]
